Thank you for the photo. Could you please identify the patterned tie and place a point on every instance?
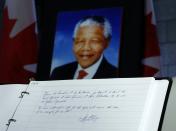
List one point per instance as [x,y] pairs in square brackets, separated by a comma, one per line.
[82,74]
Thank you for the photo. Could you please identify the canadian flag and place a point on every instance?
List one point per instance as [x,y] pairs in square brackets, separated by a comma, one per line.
[18,44]
[151,59]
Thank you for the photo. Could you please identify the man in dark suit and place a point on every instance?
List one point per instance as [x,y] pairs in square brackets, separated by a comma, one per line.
[91,37]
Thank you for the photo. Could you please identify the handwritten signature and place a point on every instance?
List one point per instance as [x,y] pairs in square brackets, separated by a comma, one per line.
[88,118]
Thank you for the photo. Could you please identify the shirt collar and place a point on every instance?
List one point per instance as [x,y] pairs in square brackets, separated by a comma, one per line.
[90,70]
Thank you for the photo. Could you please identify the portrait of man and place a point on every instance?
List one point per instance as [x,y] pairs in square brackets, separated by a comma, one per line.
[92,53]
[91,37]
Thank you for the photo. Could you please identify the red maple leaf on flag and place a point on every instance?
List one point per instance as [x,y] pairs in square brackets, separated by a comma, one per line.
[17,52]
[151,36]
[151,46]
[151,61]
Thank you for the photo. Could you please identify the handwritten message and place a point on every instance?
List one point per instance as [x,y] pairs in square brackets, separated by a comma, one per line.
[63,101]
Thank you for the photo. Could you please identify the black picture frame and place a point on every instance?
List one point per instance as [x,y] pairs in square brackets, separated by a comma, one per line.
[132,38]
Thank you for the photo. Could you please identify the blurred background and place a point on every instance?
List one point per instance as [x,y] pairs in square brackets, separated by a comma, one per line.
[163,15]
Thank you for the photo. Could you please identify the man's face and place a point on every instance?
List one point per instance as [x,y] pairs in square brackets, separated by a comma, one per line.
[89,44]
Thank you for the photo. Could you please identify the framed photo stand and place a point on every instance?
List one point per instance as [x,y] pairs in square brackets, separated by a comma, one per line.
[57,21]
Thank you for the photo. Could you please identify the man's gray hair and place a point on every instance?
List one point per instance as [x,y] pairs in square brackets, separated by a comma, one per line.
[95,20]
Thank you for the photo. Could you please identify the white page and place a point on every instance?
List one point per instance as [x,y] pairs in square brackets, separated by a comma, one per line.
[8,101]
[83,105]
[154,106]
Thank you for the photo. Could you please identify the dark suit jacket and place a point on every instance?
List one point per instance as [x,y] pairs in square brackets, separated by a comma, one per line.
[105,70]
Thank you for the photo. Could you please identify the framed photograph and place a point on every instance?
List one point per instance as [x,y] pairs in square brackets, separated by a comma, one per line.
[58,31]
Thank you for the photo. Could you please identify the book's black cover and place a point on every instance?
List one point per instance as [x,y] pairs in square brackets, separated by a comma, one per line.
[165,101]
